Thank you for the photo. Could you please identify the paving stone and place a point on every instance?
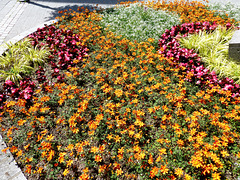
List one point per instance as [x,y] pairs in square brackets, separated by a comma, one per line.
[234,46]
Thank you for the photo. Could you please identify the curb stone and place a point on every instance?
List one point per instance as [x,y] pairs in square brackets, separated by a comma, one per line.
[9,169]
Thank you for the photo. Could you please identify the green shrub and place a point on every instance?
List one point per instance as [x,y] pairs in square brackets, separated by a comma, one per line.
[21,58]
[213,48]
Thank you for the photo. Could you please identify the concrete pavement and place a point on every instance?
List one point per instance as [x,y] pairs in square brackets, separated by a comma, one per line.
[17,20]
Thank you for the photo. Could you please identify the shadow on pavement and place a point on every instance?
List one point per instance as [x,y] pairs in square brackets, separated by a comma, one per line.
[83,1]
[55,10]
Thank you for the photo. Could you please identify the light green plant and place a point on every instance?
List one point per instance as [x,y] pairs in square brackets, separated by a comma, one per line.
[21,58]
[213,48]
[137,22]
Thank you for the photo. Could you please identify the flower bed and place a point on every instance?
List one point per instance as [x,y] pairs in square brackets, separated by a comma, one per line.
[106,107]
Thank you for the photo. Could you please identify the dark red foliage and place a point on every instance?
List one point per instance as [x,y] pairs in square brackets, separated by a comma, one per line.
[65,47]
[170,48]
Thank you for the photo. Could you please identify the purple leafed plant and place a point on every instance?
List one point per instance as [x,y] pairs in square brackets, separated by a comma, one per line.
[65,47]
[170,48]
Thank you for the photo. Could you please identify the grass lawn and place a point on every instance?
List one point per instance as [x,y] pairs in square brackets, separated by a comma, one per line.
[99,95]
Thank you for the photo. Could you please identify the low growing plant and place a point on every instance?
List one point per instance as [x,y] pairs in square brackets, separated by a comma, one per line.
[223,10]
[21,59]
[124,112]
[138,22]
[213,49]
[191,11]
[198,73]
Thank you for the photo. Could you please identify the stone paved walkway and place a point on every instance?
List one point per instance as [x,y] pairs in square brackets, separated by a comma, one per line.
[10,19]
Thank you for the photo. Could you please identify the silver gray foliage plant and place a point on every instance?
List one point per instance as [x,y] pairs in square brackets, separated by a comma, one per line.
[139,23]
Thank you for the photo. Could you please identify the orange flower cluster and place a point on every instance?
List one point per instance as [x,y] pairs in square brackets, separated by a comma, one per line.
[123,113]
[189,11]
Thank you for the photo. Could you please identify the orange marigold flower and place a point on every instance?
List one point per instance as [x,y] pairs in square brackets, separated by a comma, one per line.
[94,149]
[118,92]
[134,101]
[187,177]
[117,138]
[238,154]
[119,172]
[150,160]
[224,153]
[102,168]
[70,147]
[150,110]
[65,172]
[5,150]
[50,155]
[179,172]
[21,122]
[216,176]
[153,172]
[45,99]
[50,137]
[165,108]
[98,158]
[19,153]
[84,177]
[69,162]
[164,169]
[121,150]
[180,142]
[26,147]
[13,149]
[99,117]
[29,169]
[39,170]
[162,151]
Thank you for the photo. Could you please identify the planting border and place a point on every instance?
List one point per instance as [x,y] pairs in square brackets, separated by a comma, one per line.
[24,34]
[8,166]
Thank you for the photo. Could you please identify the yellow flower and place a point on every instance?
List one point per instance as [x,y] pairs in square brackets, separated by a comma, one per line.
[224,153]
[102,168]
[121,150]
[164,169]
[50,156]
[66,171]
[45,99]
[187,177]
[153,172]
[117,138]
[98,158]
[21,122]
[162,151]
[39,170]
[216,176]
[44,109]
[179,172]
[118,92]
[94,149]
[150,160]
[119,172]
[150,110]
[69,162]
[50,137]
